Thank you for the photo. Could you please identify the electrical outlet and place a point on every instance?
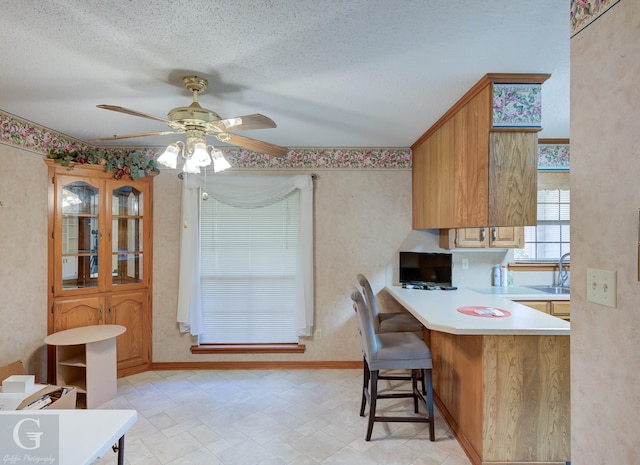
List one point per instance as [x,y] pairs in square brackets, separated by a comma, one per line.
[465,263]
[601,287]
[318,334]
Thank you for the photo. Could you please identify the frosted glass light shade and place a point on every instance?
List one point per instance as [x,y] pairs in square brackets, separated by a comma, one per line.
[219,162]
[169,157]
[190,166]
[200,156]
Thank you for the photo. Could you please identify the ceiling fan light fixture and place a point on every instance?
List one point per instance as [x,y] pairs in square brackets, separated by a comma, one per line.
[220,163]
[190,166]
[200,156]
[169,157]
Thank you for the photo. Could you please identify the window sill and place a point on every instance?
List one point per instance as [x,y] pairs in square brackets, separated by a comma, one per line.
[248,349]
[536,266]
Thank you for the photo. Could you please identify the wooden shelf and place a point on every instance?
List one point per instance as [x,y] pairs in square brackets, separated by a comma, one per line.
[72,376]
[74,362]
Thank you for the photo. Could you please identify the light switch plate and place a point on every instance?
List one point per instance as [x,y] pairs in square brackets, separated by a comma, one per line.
[601,287]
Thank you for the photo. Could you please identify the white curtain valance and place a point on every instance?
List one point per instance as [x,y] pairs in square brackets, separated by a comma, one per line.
[242,192]
[248,191]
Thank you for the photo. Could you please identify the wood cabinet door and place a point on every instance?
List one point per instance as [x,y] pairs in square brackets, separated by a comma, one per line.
[129,234]
[506,237]
[541,305]
[471,238]
[77,230]
[131,310]
[72,313]
[478,238]
[561,309]
[513,178]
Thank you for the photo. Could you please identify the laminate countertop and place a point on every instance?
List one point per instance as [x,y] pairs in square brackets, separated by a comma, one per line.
[439,310]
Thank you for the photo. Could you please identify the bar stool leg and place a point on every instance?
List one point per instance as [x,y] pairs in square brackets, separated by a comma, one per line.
[426,375]
[366,376]
[372,402]
[414,389]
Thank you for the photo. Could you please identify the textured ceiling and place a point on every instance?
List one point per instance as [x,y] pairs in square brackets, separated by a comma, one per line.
[330,73]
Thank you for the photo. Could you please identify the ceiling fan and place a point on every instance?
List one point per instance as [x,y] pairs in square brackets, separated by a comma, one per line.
[197,122]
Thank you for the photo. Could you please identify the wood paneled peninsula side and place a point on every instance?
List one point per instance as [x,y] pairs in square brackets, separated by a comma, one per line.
[501,383]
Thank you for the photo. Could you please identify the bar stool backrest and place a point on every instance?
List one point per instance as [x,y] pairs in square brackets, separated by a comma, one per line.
[370,300]
[368,336]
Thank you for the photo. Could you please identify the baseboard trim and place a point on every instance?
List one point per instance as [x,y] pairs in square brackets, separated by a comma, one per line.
[254,365]
[468,449]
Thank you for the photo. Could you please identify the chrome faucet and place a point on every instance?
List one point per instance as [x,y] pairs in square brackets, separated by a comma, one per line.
[563,273]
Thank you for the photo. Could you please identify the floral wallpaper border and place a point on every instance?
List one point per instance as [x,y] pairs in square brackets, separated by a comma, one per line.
[584,12]
[517,105]
[319,158]
[553,156]
[27,135]
[24,134]
[21,133]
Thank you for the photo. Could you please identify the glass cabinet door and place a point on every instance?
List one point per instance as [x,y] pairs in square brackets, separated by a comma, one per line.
[79,204]
[127,211]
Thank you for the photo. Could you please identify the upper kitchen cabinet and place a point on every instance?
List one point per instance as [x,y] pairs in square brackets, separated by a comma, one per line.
[100,243]
[481,238]
[476,166]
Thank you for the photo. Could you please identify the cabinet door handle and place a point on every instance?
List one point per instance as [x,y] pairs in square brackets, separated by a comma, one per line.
[109,310]
[100,310]
[482,235]
[494,234]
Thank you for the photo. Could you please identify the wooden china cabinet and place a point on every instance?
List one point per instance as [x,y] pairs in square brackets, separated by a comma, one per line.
[100,244]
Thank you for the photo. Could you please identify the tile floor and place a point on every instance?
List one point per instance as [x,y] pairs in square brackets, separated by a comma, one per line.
[268,417]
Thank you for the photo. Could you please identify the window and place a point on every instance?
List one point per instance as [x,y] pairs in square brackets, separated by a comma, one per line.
[248,266]
[254,237]
[551,237]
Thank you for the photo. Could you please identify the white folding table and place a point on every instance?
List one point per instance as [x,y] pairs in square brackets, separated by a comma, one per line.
[86,435]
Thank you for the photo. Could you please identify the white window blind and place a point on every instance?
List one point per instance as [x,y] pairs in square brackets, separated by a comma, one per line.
[248,272]
[551,237]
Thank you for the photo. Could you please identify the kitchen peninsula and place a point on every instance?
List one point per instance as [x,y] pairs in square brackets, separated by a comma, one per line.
[501,382]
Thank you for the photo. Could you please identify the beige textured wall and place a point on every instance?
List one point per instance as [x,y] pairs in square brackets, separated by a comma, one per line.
[361,219]
[605,197]
[23,259]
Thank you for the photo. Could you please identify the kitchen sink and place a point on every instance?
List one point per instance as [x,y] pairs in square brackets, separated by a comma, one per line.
[551,289]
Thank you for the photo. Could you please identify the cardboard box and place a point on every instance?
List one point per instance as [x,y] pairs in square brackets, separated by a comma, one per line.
[18,383]
[14,368]
[66,400]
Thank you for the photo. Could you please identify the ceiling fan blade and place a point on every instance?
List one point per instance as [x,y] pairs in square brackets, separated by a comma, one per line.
[131,136]
[253,144]
[133,113]
[246,122]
